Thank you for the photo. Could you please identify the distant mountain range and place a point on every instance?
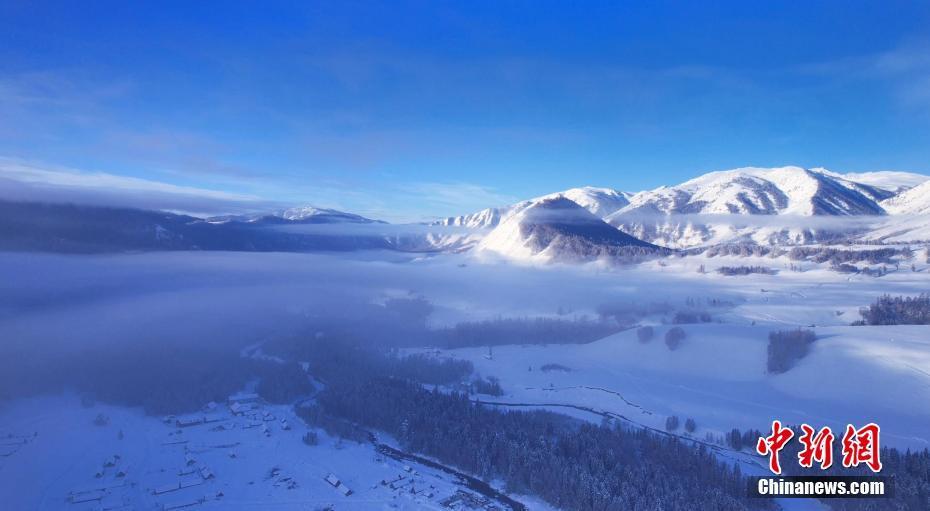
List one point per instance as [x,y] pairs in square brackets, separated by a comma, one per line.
[746,205]
[776,206]
[300,215]
[558,229]
[88,229]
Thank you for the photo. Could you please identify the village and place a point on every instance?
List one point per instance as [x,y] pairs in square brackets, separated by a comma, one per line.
[229,455]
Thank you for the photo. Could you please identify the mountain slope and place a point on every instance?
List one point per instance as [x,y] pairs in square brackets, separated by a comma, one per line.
[757,191]
[728,206]
[892,181]
[914,201]
[483,219]
[88,229]
[752,205]
[558,229]
[298,215]
[599,201]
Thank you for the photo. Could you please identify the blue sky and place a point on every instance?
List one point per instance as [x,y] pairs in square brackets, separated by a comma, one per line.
[407,110]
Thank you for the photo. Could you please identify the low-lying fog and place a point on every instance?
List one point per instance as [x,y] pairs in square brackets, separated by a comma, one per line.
[67,317]
[107,319]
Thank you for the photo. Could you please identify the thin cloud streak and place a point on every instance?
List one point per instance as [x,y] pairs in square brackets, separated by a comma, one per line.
[31,181]
[25,180]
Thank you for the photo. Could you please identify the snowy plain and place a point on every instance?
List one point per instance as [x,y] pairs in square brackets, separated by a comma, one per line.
[853,374]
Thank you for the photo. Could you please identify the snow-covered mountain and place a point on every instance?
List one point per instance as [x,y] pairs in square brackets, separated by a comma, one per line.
[297,215]
[486,218]
[777,206]
[772,206]
[599,201]
[69,228]
[914,201]
[909,218]
[757,191]
[558,229]
[892,181]
[722,207]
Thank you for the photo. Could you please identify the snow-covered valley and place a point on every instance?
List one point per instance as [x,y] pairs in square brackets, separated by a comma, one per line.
[717,375]
[61,454]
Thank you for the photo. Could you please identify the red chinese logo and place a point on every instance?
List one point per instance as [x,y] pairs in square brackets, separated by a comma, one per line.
[861,446]
[773,444]
[817,447]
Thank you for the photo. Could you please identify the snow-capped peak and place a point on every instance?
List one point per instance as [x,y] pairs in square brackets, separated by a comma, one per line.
[914,201]
[761,191]
[893,181]
[599,201]
[301,214]
[671,215]
[556,228]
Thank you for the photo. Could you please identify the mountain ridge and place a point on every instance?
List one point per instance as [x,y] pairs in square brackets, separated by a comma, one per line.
[556,228]
[673,216]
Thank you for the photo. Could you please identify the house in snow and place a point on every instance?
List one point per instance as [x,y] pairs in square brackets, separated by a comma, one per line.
[87,496]
[184,422]
[111,503]
[191,481]
[168,488]
[183,504]
[337,484]
[243,398]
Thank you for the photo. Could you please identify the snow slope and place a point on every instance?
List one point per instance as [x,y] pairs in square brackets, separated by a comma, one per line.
[552,229]
[888,180]
[759,191]
[853,374]
[714,208]
[718,378]
[297,215]
[60,451]
[599,201]
[717,208]
[911,202]
[483,219]
[902,229]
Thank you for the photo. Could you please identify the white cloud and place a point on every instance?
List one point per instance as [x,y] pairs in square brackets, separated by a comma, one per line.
[26,180]
[457,197]
[34,181]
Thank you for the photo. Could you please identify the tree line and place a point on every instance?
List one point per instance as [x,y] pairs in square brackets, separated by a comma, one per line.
[897,310]
[571,465]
